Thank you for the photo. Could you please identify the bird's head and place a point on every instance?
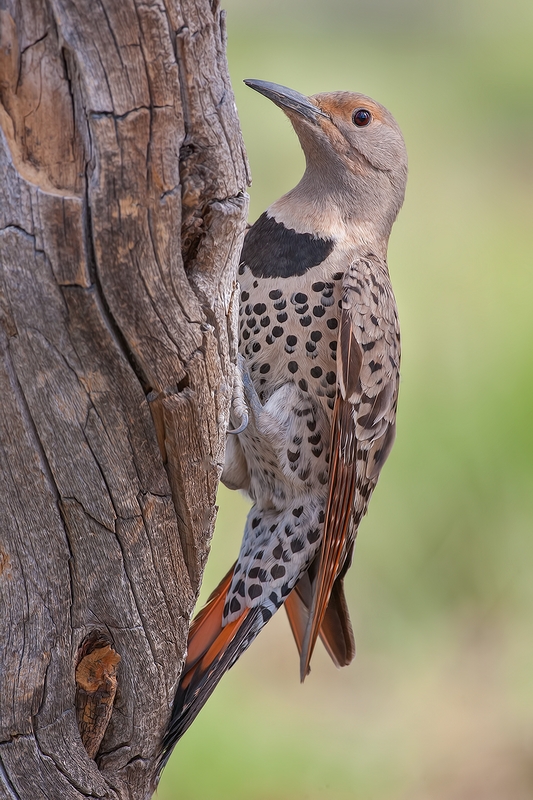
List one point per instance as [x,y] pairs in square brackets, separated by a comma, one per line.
[354,149]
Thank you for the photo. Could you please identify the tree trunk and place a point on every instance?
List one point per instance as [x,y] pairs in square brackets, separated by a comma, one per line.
[122,207]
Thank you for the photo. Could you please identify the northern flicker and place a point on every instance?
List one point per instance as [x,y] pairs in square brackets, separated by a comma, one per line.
[319,348]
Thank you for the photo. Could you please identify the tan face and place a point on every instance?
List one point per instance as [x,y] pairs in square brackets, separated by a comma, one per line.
[357,126]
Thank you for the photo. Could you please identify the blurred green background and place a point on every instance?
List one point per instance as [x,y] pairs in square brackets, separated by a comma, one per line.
[438,704]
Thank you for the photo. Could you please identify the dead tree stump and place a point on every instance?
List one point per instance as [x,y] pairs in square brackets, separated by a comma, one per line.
[122,207]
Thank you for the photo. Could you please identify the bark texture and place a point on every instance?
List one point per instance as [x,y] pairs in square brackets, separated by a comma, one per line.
[122,207]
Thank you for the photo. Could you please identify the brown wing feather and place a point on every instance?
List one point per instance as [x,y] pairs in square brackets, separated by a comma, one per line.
[363,423]
[336,526]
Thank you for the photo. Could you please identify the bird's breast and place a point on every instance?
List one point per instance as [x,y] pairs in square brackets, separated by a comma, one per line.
[288,331]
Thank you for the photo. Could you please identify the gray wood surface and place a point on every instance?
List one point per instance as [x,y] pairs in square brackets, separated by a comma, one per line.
[122,209]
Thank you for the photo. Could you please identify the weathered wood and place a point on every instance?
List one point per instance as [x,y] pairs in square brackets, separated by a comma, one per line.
[122,207]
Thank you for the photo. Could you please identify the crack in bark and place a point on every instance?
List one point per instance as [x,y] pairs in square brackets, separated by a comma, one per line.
[103,306]
[4,778]
[126,114]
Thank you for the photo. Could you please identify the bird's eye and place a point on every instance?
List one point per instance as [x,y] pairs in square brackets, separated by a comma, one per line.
[361,117]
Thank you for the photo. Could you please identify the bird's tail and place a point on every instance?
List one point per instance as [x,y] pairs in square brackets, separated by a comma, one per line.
[212,650]
[335,630]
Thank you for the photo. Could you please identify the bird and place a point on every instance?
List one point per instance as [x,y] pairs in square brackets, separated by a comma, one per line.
[318,369]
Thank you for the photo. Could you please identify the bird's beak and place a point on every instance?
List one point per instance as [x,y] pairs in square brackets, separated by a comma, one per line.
[288,99]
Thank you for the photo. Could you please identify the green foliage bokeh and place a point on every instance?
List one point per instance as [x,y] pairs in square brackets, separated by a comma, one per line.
[439,701]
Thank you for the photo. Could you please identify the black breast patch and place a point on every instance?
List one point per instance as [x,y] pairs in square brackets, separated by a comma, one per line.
[271,250]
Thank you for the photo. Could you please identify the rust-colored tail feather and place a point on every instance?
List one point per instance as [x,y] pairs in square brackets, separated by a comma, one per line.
[336,629]
[212,650]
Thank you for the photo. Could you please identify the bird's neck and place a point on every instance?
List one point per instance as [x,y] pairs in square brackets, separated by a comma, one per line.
[330,212]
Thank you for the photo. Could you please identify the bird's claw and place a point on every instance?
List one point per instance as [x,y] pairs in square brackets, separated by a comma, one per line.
[246,401]
[238,403]
[242,427]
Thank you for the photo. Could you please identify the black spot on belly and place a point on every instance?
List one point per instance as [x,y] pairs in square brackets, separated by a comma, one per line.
[271,250]
[234,606]
[297,545]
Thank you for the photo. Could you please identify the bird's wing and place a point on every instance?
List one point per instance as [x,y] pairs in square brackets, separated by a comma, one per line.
[368,360]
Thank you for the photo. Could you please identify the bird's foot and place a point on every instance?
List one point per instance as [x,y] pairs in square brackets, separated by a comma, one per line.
[245,398]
